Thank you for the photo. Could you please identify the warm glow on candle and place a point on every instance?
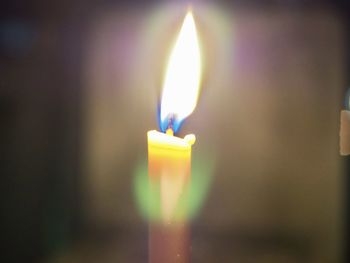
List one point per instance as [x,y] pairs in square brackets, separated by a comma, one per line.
[169,156]
[182,79]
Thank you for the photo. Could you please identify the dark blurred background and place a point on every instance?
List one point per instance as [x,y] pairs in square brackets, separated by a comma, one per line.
[78,93]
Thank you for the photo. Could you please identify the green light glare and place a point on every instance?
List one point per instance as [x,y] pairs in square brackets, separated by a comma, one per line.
[147,195]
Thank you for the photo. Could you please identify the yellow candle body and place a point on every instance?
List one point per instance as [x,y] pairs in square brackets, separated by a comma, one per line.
[169,169]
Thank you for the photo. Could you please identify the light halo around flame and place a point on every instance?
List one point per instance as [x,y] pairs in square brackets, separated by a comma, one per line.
[182,79]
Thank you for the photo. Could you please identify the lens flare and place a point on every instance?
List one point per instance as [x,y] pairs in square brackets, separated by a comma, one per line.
[182,79]
[148,195]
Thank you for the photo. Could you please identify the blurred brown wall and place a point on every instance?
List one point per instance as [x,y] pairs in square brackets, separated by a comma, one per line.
[269,113]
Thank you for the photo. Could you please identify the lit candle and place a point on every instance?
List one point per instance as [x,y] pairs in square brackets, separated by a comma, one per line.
[169,157]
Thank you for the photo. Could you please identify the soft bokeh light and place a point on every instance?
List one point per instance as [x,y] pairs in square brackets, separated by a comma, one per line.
[148,195]
[182,80]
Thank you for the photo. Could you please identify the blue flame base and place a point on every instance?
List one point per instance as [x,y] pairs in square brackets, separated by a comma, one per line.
[170,122]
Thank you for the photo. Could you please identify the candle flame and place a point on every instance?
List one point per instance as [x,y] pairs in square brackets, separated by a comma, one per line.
[182,79]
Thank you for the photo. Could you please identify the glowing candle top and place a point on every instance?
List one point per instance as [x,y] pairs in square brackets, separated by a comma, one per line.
[182,78]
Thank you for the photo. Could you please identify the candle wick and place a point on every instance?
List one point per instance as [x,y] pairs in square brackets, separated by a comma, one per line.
[170,131]
[170,128]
